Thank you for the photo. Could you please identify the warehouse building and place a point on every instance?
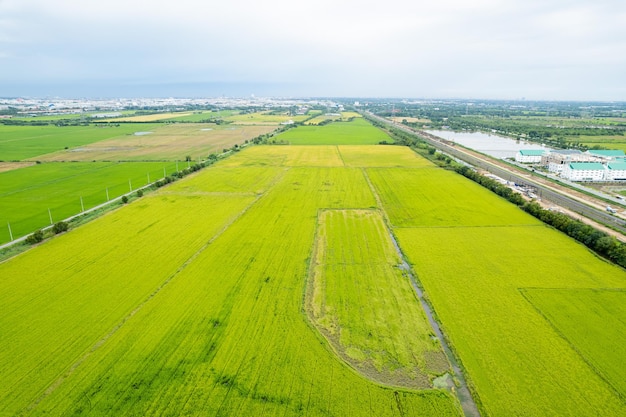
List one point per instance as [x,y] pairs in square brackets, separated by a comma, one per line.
[529,156]
[557,159]
[616,171]
[584,171]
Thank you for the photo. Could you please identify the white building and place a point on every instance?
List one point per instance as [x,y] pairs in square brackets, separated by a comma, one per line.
[529,156]
[556,160]
[616,171]
[584,171]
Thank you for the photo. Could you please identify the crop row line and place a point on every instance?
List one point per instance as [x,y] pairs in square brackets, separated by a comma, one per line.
[117,327]
[463,393]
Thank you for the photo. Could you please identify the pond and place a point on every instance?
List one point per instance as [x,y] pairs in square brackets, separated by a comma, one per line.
[490,144]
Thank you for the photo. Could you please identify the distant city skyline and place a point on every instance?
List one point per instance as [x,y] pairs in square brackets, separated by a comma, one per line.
[485,49]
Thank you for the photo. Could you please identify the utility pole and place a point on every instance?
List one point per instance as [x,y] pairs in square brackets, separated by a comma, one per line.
[107,193]
[10,231]
[82,206]
[50,216]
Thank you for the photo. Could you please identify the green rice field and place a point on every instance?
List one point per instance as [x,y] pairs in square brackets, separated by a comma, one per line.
[223,334]
[593,321]
[19,143]
[363,303]
[26,194]
[269,285]
[515,360]
[356,132]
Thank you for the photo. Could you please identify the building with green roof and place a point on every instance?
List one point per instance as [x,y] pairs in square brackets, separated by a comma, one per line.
[584,171]
[529,156]
[616,171]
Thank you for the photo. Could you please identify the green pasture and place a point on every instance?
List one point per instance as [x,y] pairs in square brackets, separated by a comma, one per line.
[356,132]
[26,194]
[27,142]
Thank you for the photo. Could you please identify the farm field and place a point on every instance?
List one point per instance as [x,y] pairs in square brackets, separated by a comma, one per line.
[19,143]
[148,117]
[263,118]
[409,119]
[356,132]
[593,321]
[515,360]
[363,303]
[227,335]
[433,197]
[608,142]
[169,142]
[26,194]
[89,281]
[68,116]
[195,298]
[287,156]
[344,116]
[197,117]
[10,166]
[373,156]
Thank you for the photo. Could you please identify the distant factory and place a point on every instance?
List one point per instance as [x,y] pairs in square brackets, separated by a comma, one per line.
[575,165]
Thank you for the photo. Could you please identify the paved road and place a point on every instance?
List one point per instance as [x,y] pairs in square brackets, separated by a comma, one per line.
[600,216]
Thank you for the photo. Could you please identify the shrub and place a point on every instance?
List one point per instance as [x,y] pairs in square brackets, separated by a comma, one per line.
[124,199]
[139,193]
[60,227]
[35,237]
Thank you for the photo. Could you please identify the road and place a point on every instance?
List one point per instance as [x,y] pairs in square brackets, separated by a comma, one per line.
[546,192]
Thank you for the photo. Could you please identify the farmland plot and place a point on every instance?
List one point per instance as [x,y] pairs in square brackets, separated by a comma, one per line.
[516,361]
[63,298]
[264,118]
[594,322]
[435,197]
[228,336]
[302,156]
[27,194]
[378,156]
[172,142]
[363,303]
[356,132]
[29,142]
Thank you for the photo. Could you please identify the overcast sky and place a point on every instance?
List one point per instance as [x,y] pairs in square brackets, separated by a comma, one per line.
[502,49]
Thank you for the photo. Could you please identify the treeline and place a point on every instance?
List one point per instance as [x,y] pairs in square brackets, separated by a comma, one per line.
[58,122]
[532,129]
[598,241]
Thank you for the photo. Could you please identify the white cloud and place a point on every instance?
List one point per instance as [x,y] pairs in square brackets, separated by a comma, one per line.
[450,47]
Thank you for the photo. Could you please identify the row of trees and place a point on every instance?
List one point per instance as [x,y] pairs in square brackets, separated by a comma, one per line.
[603,244]
[596,240]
